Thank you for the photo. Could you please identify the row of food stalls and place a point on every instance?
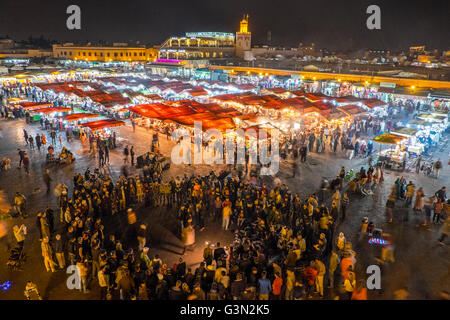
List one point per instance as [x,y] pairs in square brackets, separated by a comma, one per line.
[412,139]
[72,119]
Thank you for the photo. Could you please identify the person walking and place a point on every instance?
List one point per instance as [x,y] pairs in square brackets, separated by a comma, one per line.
[21,155]
[437,208]
[350,285]
[437,167]
[47,179]
[38,141]
[26,163]
[25,136]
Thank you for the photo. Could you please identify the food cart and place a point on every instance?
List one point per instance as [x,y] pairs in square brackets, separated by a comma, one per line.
[395,156]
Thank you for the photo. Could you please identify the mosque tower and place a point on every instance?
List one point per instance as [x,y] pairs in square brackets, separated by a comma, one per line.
[243,38]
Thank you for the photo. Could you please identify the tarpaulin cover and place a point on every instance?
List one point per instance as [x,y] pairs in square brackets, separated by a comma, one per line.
[52,109]
[78,116]
[100,124]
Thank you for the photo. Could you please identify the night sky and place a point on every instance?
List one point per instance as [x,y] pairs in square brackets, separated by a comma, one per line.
[334,24]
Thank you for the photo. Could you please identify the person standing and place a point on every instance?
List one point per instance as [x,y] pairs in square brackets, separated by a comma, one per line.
[226,213]
[132,156]
[320,274]
[264,287]
[344,204]
[276,286]
[438,208]
[290,284]
[47,254]
[38,141]
[30,142]
[334,262]
[106,154]
[59,251]
[419,203]
[125,155]
[53,136]
[20,234]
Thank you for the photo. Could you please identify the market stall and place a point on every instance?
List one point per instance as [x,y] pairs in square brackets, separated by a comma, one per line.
[395,156]
[412,144]
[102,129]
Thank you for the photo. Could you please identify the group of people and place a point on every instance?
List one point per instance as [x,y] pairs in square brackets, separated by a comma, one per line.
[438,204]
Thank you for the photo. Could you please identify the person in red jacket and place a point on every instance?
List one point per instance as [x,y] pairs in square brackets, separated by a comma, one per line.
[310,274]
[276,286]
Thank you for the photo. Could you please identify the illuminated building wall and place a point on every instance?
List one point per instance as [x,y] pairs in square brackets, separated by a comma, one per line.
[198,45]
[106,54]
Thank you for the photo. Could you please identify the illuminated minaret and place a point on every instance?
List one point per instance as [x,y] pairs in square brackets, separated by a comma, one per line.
[243,38]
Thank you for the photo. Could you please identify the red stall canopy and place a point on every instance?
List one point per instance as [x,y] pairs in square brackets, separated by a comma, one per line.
[101,124]
[52,109]
[35,105]
[78,116]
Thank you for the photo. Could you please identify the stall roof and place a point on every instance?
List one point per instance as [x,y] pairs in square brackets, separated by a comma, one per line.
[352,109]
[35,105]
[431,117]
[388,138]
[101,124]
[404,131]
[52,110]
[372,103]
[78,116]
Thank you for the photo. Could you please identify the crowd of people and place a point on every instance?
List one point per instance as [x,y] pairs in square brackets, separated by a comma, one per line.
[284,248]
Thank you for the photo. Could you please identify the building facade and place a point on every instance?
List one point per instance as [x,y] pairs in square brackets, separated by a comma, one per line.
[198,45]
[104,54]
